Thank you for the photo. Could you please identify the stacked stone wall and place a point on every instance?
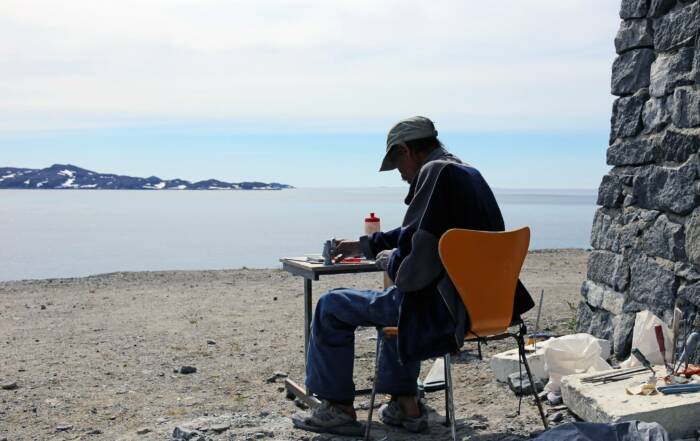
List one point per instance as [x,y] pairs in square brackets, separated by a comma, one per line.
[646,232]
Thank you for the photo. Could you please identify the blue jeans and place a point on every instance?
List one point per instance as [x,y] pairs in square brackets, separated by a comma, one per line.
[329,364]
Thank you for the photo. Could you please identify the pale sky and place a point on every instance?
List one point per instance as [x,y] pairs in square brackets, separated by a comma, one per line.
[96,83]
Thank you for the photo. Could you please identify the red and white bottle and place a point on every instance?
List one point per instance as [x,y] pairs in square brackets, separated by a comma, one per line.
[372,224]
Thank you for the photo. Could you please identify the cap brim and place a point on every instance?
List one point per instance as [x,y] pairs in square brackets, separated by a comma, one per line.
[387,163]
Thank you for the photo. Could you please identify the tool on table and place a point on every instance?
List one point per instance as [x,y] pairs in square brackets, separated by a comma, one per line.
[662,346]
[621,374]
[675,327]
[328,251]
[645,362]
[532,339]
[679,389]
[689,348]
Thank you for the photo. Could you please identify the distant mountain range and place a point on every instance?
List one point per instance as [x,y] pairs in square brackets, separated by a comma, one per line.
[70,177]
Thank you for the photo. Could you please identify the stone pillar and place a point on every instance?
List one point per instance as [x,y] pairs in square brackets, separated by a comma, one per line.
[646,232]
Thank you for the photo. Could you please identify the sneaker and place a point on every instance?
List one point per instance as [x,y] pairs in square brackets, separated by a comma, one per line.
[326,418]
[392,414]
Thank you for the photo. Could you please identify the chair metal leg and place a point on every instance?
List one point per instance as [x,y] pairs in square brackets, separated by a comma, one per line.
[449,395]
[521,349]
[380,344]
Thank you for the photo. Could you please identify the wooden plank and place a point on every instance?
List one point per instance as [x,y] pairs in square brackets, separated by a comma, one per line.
[300,393]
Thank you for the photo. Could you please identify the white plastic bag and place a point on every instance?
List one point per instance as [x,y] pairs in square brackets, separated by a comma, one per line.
[571,354]
[644,339]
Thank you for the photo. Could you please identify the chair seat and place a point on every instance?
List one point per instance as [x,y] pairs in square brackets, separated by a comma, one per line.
[393,331]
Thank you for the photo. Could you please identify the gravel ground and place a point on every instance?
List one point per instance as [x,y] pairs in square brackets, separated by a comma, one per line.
[100,357]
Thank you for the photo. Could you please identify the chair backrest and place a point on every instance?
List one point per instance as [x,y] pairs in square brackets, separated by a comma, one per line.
[484,267]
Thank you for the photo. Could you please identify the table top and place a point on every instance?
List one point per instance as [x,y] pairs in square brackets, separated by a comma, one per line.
[301,267]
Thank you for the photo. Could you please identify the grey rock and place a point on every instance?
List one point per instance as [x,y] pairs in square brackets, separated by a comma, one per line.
[634,9]
[657,8]
[277,376]
[557,417]
[184,434]
[666,189]
[678,146]
[610,192]
[187,370]
[671,70]
[602,325]
[617,230]
[584,316]
[622,335]
[211,342]
[221,427]
[665,239]
[686,107]
[143,431]
[10,385]
[677,28]
[656,114]
[634,34]
[687,271]
[652,287]
[602,297]
[521,385]
[692,239]
[626,117]
[632,152]
[632,71]
[608,268]
[691,293]
[64,427]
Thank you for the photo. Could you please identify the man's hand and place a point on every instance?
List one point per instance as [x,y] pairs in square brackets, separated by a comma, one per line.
[347,248]
[382,259]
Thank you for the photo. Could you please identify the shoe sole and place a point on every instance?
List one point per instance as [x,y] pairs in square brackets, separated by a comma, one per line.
[348,429]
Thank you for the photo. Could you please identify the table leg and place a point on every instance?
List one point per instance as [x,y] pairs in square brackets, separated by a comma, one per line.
[307,316]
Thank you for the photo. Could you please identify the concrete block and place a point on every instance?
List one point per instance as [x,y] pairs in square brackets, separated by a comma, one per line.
[508,362]
[610,403]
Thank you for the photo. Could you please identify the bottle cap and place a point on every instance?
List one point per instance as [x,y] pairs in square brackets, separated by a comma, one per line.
[372,218]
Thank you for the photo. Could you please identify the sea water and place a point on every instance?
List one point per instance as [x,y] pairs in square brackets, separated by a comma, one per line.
[65,233]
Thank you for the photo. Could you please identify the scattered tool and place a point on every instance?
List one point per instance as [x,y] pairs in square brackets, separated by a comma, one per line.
[328,251]
[645,362]
[662,346]
[675,326]
[621,374]
[679,389]
[689,348]
[532,338]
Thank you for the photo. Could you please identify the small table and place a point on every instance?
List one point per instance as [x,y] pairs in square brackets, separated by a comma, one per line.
[310,271]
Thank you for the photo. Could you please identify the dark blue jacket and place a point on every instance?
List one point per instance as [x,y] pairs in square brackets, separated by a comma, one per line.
[446,194]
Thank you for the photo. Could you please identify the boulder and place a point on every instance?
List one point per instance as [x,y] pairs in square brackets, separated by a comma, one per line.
[686,107]
[584,316]
[634,34]
[656,114]
[664,239]
[602,325]
[622,335]
[626,117]
[676,28]
[657,8]
[634,9]
[671,70]
[602,297]
[608,268]
[652,286]
[610,192]
[666,189]
[691,293]
[678,146]
[632,71]
[692,238]
[632,152]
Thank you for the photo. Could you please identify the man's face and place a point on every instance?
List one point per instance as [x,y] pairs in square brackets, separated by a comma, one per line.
[406,161]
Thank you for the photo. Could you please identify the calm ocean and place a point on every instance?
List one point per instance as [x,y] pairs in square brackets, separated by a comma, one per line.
[50,234]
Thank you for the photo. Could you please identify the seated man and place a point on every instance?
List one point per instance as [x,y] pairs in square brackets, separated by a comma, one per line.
[444,193]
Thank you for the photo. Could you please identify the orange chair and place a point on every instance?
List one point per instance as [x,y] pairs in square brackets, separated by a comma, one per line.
[484,268]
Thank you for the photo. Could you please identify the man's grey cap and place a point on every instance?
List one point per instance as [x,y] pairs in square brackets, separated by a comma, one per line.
[409,129]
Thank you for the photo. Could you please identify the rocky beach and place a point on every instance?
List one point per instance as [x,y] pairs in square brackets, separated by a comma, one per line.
[203,355]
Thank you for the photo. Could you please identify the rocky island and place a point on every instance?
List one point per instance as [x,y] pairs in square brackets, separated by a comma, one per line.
[70,177]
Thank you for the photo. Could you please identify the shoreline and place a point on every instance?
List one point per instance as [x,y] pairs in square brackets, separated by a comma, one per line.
[110,273]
